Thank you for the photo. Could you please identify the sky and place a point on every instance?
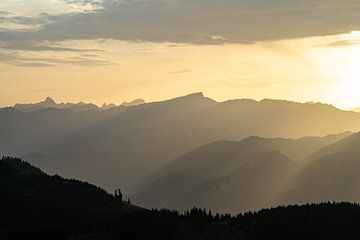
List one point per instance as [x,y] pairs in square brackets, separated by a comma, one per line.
[119,50]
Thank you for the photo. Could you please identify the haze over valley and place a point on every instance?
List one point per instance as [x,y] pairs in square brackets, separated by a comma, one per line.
[230,156]
[179,119]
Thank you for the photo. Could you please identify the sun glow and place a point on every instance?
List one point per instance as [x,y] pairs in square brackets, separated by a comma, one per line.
[349,88]
[319,69]
[338,64]
[354,36]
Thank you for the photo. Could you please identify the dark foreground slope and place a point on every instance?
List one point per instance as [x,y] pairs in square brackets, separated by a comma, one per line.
[34,205]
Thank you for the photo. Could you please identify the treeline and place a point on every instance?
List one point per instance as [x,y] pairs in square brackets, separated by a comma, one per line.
[34,205]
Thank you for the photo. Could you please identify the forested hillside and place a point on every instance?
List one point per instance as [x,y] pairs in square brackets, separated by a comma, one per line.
[34,205]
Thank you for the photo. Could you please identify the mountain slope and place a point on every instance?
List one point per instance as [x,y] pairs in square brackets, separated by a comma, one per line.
[229,176]
[349,145]
[37,206]
[107,169]
[223,176]
[50,103]
[162,131]
[250,186]
[332,175]
[146,130]
[133,103]
[21,132]
[277,118]
[34,202]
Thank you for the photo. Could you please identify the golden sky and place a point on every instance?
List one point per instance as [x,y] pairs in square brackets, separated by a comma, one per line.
[97,67]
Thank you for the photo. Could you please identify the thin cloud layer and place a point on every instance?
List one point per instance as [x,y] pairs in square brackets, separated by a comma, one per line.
[198,21]
[179,21]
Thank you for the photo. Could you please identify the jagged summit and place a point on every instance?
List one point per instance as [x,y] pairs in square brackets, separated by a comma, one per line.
[49,101]
[106,106]
[133,103]
[195,95]
[77,107]
[198,96]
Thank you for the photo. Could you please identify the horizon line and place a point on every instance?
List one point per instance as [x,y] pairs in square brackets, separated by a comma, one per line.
[181,96]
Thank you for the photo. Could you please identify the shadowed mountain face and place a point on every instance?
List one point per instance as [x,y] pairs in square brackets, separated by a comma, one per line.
[124,145]
[135,102]
[77,107]
[332,175]
[250,184]
[151,132]
[32,202]
[50,103]
[280,118]
[21,132]
[158,132]
[107,169]
[230,176]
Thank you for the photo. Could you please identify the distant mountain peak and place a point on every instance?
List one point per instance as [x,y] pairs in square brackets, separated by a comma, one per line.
[106,106]
[50,103]
[49,100]
[192,96]
[133,103]
[196,95]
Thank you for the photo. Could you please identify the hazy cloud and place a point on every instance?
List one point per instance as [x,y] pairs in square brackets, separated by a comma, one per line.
[184,21]
[342,43]
[42,46]
[201,21]
[17,59]
[84,2]
[5,13]
[30,63]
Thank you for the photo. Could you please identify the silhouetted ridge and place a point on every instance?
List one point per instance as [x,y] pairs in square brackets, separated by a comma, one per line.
[135,102]
[44,206]
[332,174]
[349,144]
[20,166]
[279,103]
[49,101]
[223,175]
[193,95]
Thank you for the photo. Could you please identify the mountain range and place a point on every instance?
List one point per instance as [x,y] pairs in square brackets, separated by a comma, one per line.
[231,176]
[77,107]
[228,156]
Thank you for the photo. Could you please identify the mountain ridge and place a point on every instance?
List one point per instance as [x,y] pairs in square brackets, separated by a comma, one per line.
[80,106]
[133,142]
[238,166]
